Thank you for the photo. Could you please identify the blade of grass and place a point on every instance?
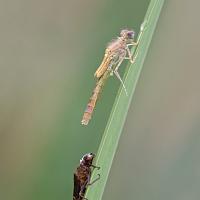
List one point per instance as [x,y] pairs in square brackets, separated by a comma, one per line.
[119,111]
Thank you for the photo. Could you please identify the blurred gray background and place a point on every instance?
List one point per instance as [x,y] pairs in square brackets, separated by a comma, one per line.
[49,51]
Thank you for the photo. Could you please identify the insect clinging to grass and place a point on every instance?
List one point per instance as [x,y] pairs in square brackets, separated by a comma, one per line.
[116,51]
[82,176]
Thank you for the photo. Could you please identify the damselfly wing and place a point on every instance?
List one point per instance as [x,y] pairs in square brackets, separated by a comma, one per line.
[104,65]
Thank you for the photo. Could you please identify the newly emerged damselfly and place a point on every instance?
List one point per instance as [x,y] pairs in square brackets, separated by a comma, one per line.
[116,51]
[82,176]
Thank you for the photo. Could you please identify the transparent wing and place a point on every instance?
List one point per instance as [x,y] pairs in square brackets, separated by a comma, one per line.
[77,187]
[104,66]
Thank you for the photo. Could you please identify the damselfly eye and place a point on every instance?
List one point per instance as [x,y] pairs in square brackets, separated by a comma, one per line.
[130,34]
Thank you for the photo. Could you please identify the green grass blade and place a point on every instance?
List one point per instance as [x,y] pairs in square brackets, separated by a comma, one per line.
[119,111]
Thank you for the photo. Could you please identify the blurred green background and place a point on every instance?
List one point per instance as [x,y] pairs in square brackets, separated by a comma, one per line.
[49,52]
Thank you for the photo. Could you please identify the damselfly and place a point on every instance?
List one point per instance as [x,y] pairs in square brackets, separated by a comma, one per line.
[116,51]
[82,176]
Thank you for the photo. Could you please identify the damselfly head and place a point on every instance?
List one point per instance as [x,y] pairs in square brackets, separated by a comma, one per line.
[127,34]
[87,159]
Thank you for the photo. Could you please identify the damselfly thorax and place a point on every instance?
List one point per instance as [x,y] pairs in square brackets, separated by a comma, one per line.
[115,53]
